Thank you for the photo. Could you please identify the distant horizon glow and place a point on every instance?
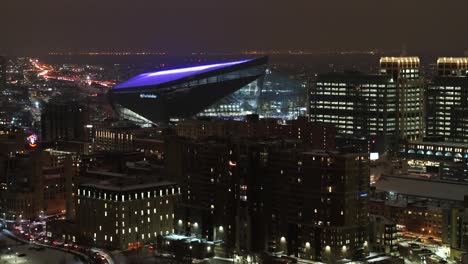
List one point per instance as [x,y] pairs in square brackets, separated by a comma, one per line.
[160,77]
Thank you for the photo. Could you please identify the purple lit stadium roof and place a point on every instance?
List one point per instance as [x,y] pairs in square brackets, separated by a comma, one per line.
[160,77]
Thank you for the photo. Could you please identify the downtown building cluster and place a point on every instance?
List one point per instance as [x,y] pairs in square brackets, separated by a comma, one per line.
[416,124]
[262,191]
[372,109]
[255,189]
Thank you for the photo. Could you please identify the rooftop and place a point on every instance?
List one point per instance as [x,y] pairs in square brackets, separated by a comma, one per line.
[123,187]
[452,60]
[160,77]
[442,190]
[400,60]
[439,143]
[354,76]
[326,153]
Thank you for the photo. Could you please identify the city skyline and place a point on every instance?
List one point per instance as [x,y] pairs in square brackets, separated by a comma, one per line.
[244,132]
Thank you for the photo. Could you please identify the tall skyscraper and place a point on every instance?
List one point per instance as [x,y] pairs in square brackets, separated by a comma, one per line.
[64,120]
[447,105]
[450,66]
[382,109]
[359,105]
[405,71]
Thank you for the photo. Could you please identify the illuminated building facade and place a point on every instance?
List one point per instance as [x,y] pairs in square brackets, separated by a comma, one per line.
[405,71]
[182,93]
[125,215]
[447,105]
[282,97]
[229,90]
[308,204]
[451,66]
[114,139]
[359,105]
[277,96]
[446,160]
[443,153]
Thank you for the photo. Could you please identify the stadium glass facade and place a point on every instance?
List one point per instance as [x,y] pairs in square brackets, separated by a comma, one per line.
[225,90]
[274,96]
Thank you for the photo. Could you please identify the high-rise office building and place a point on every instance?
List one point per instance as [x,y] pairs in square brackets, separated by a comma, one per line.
[228,90]
[114,139]
[64,120]
[446,101]
[451,66]
[359,105]
[382,109]
[405,71]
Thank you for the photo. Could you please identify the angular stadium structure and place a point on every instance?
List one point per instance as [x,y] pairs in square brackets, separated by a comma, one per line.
[181,93]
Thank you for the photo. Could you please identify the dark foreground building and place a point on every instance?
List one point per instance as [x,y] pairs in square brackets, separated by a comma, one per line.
[181,93]
[251,195]
[65,121]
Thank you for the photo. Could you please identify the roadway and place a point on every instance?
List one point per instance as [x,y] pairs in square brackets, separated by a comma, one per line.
[14,252]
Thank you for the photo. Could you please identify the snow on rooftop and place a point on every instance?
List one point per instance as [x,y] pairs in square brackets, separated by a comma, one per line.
[442,190]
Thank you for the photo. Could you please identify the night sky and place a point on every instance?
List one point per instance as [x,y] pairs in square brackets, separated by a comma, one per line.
[41,26]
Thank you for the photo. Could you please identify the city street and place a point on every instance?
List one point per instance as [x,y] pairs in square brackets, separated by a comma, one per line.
[18,253]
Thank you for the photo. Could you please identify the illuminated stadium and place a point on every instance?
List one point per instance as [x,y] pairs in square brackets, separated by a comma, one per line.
[224,90]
